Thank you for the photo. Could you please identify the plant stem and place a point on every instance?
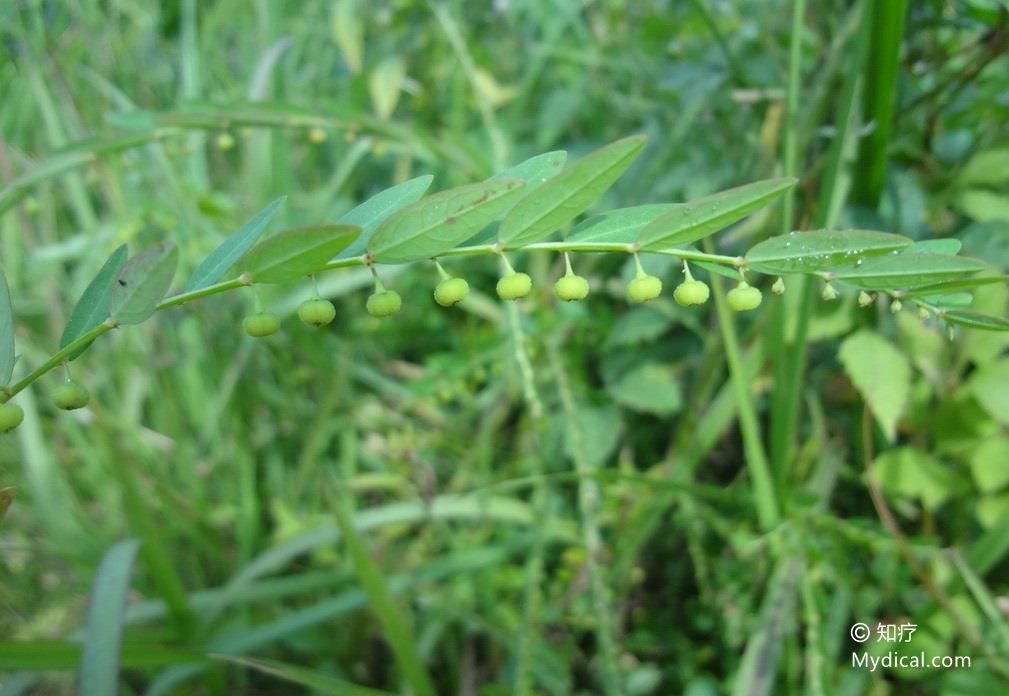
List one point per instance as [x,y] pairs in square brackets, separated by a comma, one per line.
[58,357]
[789,145]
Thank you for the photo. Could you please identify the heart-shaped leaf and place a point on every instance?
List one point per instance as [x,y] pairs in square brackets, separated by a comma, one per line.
[689,222]
[6,333]
[976,320]
[896,271]
[142,282]
[802,252]
[568,194]
[93,306]
[298,252]
[442,221]
[620,226]
[233,248]
[370,214]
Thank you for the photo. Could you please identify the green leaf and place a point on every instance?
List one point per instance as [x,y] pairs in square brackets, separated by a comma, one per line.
[651,387]
[233,248]
[802,252]
[987,168]
[99,675]
[370,214]
[48,655]
[976,320]
[983,205]
[911,473]
[93,307]
[442,221]
[142,282]
[620,226]
[689,222]
[895,271]
[950,247]
[297,252]
[567,195]
[988,464]
[536,170]
[312,680]
[881,374]
[988,384]
[730,272]
[6,333]
[955,286]
[599,429]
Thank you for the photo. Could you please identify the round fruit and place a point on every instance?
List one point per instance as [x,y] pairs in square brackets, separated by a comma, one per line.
[317,312]
[225,141]
[11,416]
[70,396]
[744,297]
[571,288]
[644,288]
[451,291]
[691,292]
[514,286]
[384,303]
[261,324]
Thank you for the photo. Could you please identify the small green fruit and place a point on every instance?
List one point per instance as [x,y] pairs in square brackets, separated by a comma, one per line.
[864,299]
[451,291]
[261,325]
[571,288]
[11,416]
[317,312]
[225,141]
[779,287]
[384,303]
[828,293]
[744,297]
[896,306]
[514,286]
[70,396]
[691,292]
[644,288]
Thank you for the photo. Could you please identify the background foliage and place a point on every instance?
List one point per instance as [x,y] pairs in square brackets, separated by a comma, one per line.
[554,496]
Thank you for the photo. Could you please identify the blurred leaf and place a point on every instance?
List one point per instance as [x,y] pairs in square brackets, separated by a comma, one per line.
[99,675]
[317,682]
[93,306]
[991,509]
[568,194]
[600,433]
[142,282]
[955,286]
[47,655]
[370,214]
[911,473]
[976,320]
[989,385]
[881,374]
[298,252]
[233,248]
[348,31]
[800,252]
[990,167]
[385,84]
[989,464]
[441,221]
[490,89]
[651,387]
[619,226]
[636,326]
[895,271]
[983,206]
[6,333]
[689,222]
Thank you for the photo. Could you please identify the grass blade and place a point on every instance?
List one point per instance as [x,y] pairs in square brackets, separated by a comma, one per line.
[316,681]
[6,333]
[103,634]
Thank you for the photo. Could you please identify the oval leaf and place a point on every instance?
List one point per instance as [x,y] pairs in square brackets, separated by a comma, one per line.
[142,282]
[233,248]
[689,222]
[370,214]
[620,226]
[6,333]
[802,252]
[442,221]
[298,252]
[882,375]
[976,320]
[93,307]
[103,633]
[567,195]
[895,271]
[536,170]
[955,286]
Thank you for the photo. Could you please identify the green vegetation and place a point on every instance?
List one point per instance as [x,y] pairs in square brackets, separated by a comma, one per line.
[769,405]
